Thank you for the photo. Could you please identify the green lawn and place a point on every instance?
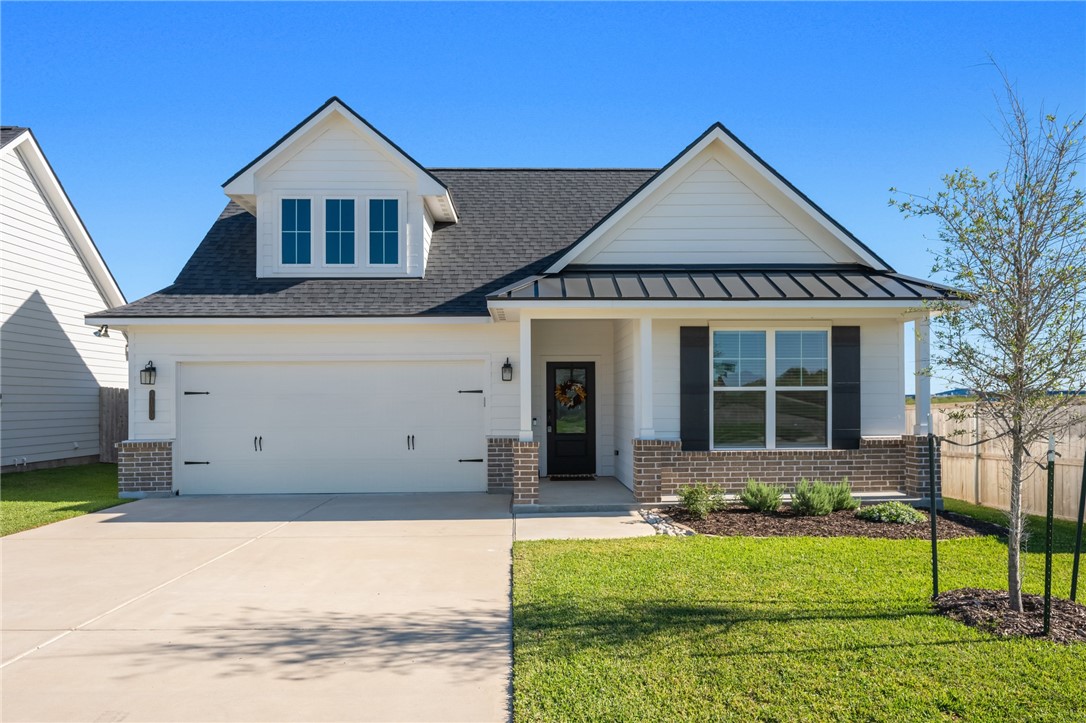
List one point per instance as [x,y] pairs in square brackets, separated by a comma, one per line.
[33,499]
[776,629]
[1063,531]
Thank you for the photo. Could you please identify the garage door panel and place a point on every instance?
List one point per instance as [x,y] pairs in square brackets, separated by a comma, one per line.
[339,427]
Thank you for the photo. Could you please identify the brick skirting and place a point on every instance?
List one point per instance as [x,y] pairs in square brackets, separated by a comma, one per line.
[144,468]
[879,465]
[499,464]
[525,473]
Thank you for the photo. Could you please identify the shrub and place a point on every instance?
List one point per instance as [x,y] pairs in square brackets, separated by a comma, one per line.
[842,496]
[761,497]
[896,512]
[701,499]
[812,498]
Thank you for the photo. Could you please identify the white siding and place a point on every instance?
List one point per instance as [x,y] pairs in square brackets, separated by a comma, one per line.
[51,364]
[882,373]
[335,160]
[716,210]
[589,341]
[170,346]
[625,336]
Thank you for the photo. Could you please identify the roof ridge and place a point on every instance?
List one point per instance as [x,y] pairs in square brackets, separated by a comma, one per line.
[540,168]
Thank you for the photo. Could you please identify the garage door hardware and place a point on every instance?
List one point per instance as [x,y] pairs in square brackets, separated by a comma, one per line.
[410,441]
[258,444]
[470,460]
[188,393]
[469,391]
[187,462]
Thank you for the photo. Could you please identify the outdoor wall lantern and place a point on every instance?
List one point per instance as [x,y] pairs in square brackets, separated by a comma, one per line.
[147,374]
[507,371]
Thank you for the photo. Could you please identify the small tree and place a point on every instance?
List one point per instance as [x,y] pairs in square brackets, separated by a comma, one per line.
[1016,242]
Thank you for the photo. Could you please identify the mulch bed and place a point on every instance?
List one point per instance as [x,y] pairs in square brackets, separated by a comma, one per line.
[738,520]
[987,610]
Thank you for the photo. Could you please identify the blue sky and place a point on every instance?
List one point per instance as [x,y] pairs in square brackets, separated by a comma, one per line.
[144,109]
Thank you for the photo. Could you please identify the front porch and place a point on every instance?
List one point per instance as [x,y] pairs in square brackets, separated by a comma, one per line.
[639,397]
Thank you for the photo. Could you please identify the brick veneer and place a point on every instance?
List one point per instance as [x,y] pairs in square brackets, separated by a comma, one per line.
[661,467]
[499,464]
[916,467]
[525,473]
[144,468]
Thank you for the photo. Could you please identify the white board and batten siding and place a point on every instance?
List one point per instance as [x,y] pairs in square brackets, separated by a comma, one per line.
[333,160]
[715,210]
[625,344]
[51,364]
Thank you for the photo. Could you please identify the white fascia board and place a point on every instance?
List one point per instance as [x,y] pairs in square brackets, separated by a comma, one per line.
[714,135]
[244,185]
[121,322]
[26,148]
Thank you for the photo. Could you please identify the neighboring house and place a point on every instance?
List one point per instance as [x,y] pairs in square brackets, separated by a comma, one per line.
[356,322]
[51,276]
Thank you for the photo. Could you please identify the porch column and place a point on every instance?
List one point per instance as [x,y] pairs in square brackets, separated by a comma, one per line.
[526,431]
[646,425]
[922,342]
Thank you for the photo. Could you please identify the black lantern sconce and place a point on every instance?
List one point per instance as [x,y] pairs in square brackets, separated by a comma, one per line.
[507,371]
[147,374]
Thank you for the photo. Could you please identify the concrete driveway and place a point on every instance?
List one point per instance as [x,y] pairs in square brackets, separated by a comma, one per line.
[266,608]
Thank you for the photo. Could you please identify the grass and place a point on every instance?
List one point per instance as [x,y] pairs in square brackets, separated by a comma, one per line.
[776,629]
[36,498]
[1063,531]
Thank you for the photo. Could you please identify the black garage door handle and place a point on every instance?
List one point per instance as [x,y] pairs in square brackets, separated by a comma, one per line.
[470,460]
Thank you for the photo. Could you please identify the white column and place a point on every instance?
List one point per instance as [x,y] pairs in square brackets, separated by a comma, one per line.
[923,375]
[525,372]
[646,424]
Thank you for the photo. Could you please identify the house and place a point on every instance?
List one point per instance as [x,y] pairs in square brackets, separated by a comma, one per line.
[51,276]
[357,322]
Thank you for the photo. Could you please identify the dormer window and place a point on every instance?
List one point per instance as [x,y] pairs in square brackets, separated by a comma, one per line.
[297,231]
[384,231]
[339,231]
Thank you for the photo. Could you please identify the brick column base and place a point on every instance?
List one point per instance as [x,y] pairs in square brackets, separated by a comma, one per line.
[525,473]
[650,456]
[145,468]
[916,468]
[499,464]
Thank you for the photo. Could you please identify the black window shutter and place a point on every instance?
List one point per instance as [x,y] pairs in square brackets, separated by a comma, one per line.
[694,390]
[845,344]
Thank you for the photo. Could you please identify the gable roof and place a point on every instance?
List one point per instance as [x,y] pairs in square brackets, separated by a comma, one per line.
[335,105]
[21,141]
[496,242]
[718,131]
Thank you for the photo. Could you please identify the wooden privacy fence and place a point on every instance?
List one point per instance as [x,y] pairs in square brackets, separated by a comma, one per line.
[982,474]
[112,421]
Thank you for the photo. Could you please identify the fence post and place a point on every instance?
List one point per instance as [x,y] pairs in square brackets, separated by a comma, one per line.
[1048,533]
[1078,533]
[932,510]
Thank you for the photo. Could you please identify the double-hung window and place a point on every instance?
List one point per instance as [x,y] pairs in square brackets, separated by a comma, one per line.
[339,231]
[770,389]
[297,230]
[384,231]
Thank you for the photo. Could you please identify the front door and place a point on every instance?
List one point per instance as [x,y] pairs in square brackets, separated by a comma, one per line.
[571,418]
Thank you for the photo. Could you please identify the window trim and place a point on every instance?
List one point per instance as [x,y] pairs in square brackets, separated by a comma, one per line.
[318,266]
[771,387]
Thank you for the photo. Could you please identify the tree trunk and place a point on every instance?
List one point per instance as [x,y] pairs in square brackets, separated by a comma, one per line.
[1015,528]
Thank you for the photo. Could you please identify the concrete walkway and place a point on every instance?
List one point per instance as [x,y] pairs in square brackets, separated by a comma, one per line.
[269,608]
[580,525]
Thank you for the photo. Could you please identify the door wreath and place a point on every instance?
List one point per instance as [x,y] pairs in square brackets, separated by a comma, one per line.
[570,393]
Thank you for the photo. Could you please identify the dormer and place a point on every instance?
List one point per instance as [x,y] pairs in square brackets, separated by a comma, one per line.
[334,197]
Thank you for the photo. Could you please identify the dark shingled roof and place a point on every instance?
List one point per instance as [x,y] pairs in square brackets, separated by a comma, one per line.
[513,223]
[10,133]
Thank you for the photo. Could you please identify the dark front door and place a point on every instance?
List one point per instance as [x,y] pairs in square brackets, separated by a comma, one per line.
[571,418]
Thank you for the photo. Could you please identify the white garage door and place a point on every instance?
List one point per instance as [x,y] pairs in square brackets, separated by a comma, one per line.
[335,427]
